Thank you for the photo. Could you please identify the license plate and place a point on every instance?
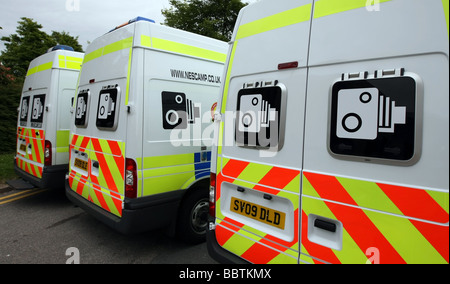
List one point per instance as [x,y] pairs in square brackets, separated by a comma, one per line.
[81,164]
[23,148]
[257,212]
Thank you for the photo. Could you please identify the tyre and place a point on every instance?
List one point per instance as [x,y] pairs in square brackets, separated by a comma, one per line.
[193,217]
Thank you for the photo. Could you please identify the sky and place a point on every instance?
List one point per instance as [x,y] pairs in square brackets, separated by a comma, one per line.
[87,19]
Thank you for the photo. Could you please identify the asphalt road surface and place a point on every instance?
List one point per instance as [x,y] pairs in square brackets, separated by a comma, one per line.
[43,227]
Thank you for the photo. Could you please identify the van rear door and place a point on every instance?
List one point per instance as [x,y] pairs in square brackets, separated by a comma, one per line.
[30,132]
[260,155]
[375,184]
[98,142]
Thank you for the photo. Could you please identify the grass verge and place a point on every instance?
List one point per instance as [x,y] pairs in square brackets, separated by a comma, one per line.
[7,167]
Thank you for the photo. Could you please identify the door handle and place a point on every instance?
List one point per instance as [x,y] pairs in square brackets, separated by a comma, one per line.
[324,225]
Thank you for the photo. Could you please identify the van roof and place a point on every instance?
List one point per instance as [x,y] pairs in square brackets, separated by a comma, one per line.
[137,19]
[141,32]
[58,59]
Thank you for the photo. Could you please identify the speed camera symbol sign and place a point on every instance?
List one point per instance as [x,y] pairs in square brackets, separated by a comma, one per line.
[363,113]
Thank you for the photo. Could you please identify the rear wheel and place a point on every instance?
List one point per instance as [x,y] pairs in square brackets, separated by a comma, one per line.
[193,217]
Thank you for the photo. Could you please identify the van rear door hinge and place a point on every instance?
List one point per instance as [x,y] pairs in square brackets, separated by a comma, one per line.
[381,73]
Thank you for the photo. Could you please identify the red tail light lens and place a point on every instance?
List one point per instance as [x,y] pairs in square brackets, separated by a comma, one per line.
[212,195]
[48,153]
[130,178]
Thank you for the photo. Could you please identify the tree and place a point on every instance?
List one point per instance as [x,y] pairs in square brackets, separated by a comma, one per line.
[211,18]
[66,39]
[29,43]
[10,89]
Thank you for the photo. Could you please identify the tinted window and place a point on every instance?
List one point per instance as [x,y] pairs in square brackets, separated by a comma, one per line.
[107,111]
[374,118]
[24,108]
[37,111]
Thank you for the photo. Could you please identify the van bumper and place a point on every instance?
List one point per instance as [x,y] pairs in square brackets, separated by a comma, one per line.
[138,215]
[52,176]
[217,252]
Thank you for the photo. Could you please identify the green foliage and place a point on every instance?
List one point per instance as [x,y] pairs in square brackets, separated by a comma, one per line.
[30,42]
[10,98]
[7,167]
[211,18]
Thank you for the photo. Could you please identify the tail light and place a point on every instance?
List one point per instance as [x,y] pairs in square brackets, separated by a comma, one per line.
[130,178]
[212,195]
[48,153]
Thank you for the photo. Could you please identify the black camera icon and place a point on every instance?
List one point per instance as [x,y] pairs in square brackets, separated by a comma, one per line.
[178,111]
[364,113]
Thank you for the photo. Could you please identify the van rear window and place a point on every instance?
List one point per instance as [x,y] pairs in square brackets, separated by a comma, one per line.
[107,111]
[81,109]
[37,111]
[24,108]
[374,118]
[260,118]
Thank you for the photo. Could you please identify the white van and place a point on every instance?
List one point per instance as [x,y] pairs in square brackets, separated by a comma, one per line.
[142,128]
[333,134]
[42,155]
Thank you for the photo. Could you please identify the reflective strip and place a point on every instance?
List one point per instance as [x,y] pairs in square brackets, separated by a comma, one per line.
[128,77]
[181,48]
[173,172]
[70,62]
[29,167]
[32,163]
[227,83]
[245,241]
[398,233]
[283,19]
[108,186]
[110,48]
[40,68]
[105,188]
[167,161]
[446,7]
[329,7]
[62,141]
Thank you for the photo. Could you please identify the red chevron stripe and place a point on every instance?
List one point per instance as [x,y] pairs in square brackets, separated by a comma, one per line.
[418,203]
[355,221]
[222,234]
[110,183]
[118,156]
[279,177]
[36,150]
[259,254]
[234,168]
[265,250]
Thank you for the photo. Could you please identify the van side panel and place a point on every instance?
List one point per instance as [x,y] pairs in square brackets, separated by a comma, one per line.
[177,133]
[382,209]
